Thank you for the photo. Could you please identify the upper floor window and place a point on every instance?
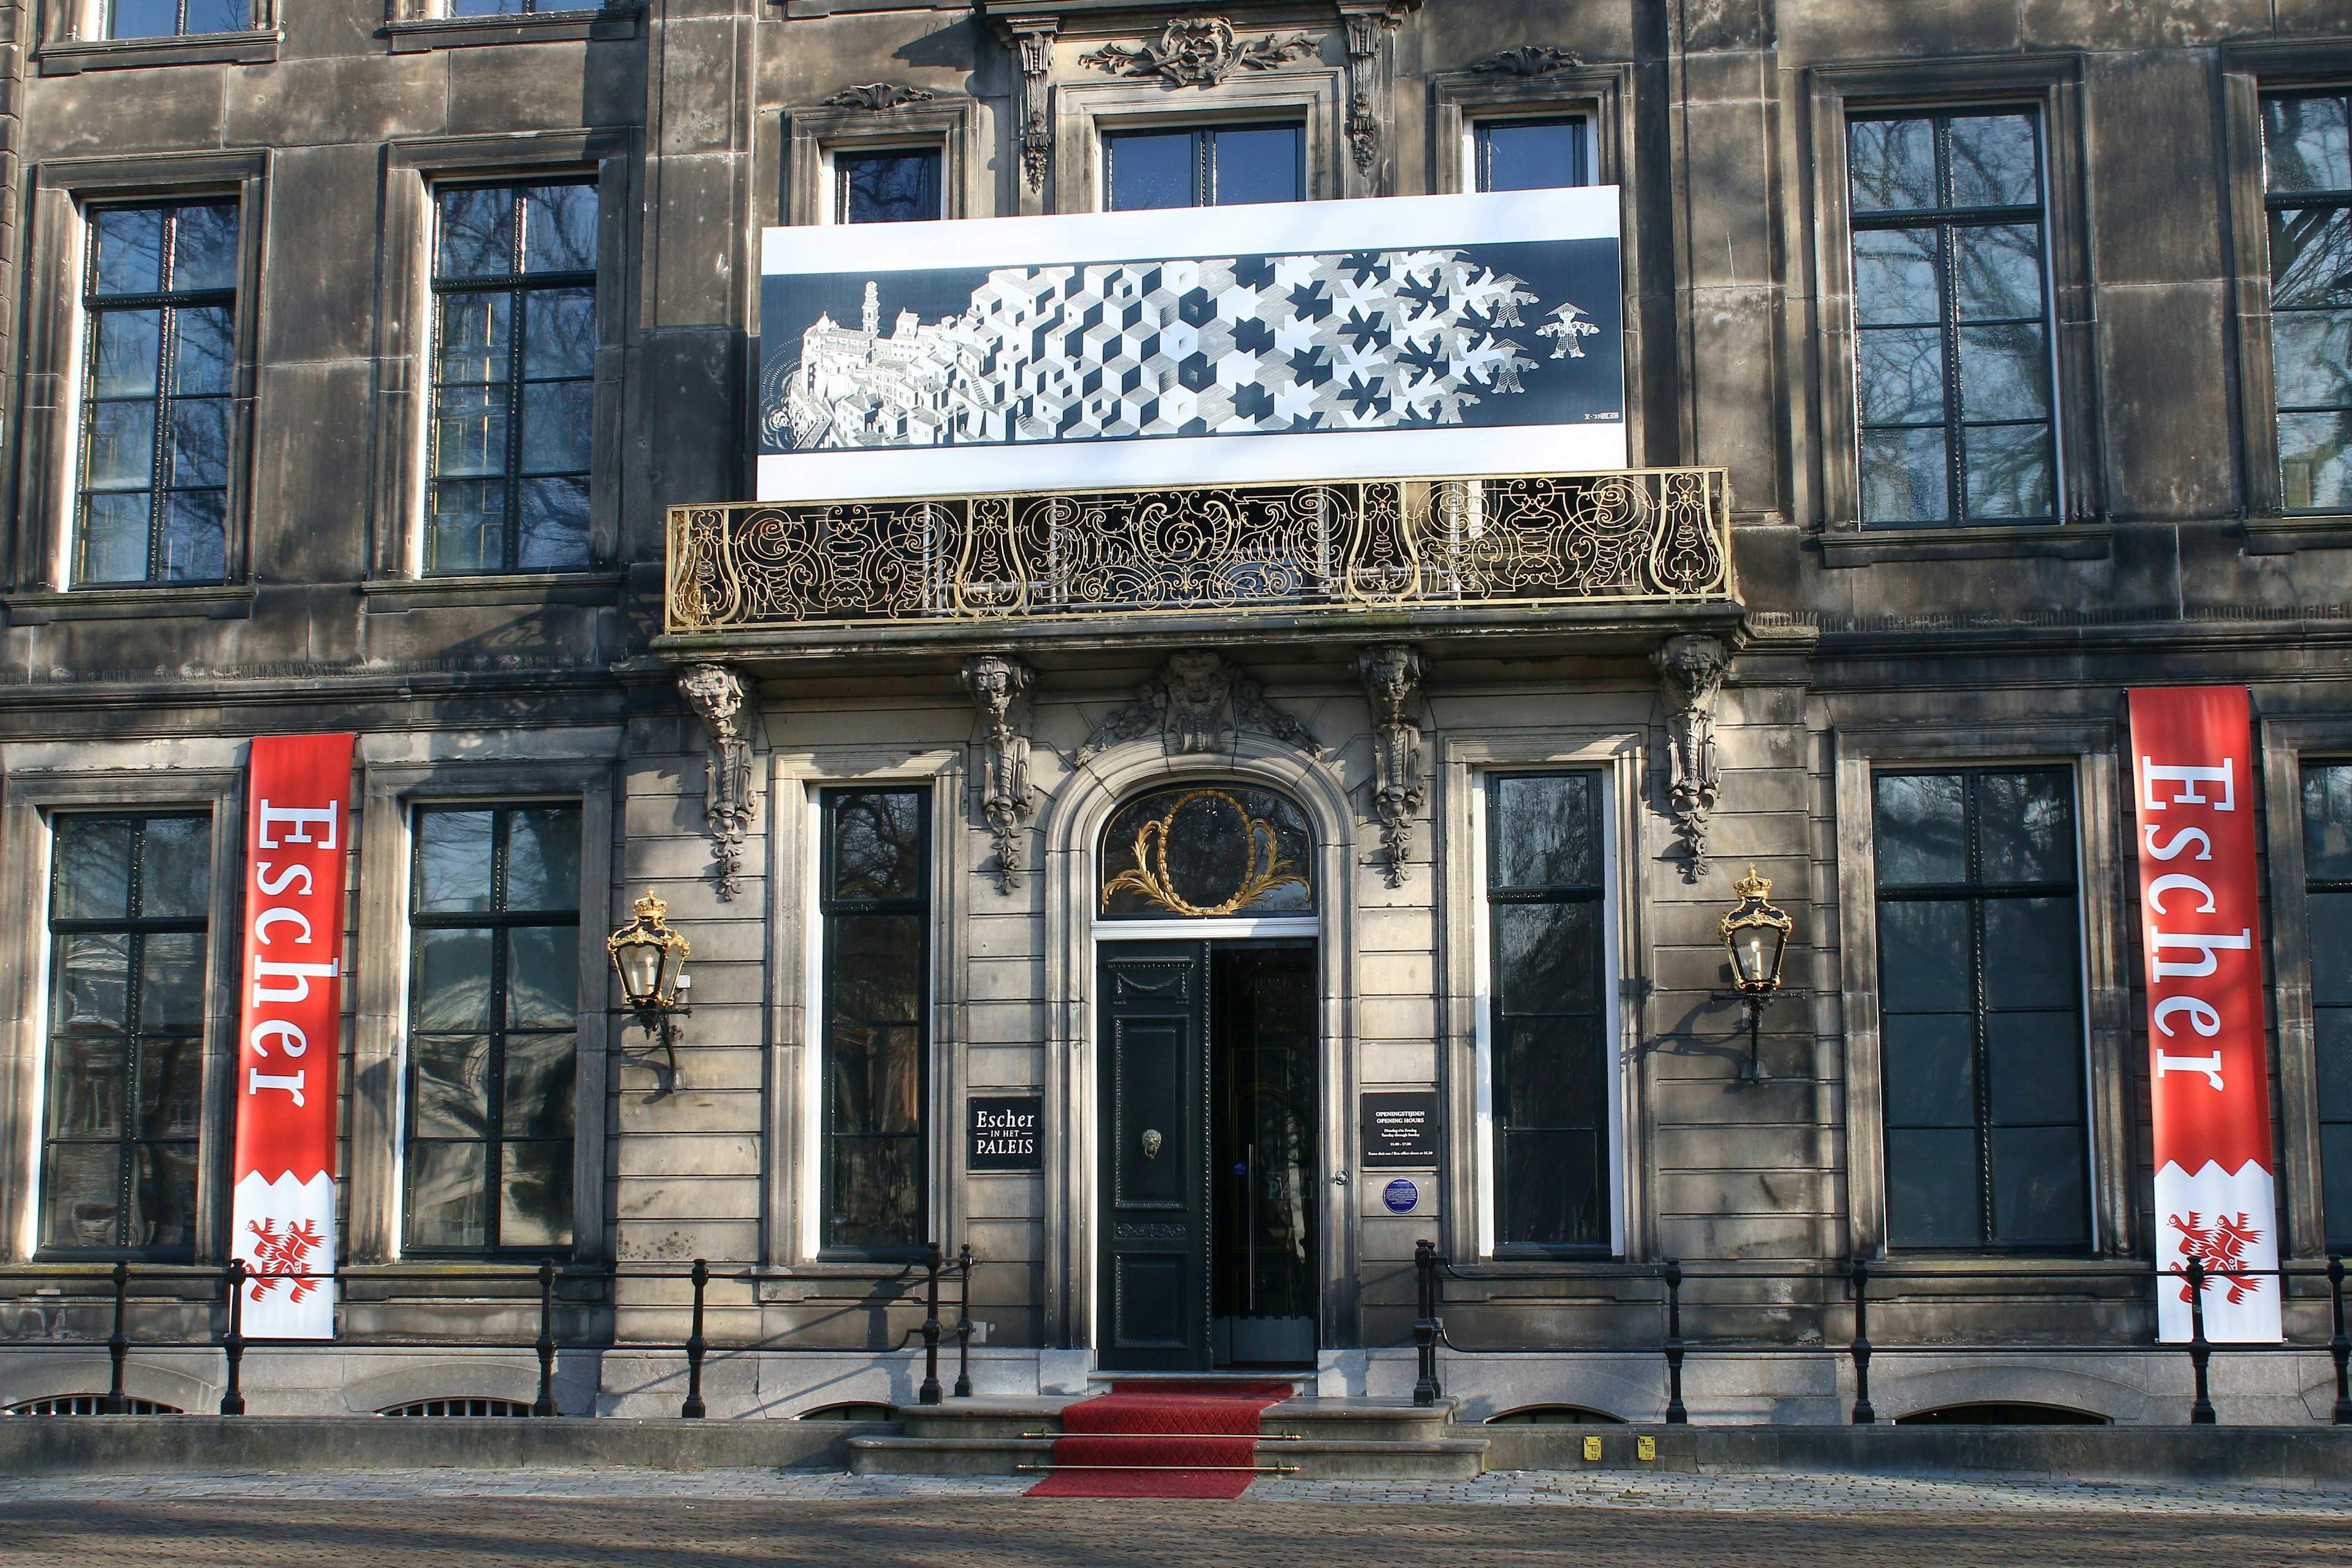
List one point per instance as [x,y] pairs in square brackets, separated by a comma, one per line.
[1207,167]
[493,1027]
[2308,177]
[1531,155]
[2327,893]
[1952,355]
[163,18]
[514,285]
[1980,1014]
[900,184]
[516,8]
[159,299]
[128,901]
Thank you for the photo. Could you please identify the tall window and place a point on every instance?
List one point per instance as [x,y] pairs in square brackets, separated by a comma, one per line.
[875,904]
[1547,1038]
[160,300]
[516,8]
[1980,1010]
[1951,317]
[127,902]
[514,286]
[493,1027]
[163,18]
[1531,155]
[2307,170]
[1212,166]
[2327,866]
[900,185]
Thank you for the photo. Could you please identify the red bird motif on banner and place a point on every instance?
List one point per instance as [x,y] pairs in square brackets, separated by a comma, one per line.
[2221,1248]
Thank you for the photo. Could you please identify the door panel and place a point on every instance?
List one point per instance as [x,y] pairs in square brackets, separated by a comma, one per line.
[1153,1131]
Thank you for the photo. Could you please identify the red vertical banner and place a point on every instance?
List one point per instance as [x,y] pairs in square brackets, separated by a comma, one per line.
[289,1032]
[2201,955]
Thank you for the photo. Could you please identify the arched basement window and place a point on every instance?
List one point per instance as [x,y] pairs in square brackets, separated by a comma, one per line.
[1207,852]
[1991,1413]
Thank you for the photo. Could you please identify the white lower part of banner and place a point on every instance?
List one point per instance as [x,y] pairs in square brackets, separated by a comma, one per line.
[2228,1222]
[286,1229]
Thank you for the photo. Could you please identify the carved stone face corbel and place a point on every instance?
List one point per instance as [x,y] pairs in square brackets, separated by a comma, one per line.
[716,694]
[1690,678]
[1197,703]
[999,684]
[1392,675]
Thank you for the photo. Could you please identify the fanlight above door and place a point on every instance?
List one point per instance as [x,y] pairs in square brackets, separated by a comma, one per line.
[1207,852]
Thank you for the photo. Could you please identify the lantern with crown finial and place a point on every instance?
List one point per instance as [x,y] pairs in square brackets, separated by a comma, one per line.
[1756,934]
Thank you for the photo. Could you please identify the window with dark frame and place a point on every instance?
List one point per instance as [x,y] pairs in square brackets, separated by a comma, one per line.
[1980,1014]
[159,301]
[2327,906]
[1547,1031]
[2307,188]
[514,287]
[517,7]
[493,1027]
[1531,155]
[129,898]
[875,904]
[172,19]
[1204,166]
[898,184]
[1952,332]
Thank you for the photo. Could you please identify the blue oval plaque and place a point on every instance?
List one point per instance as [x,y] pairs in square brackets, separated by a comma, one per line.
[1401,1195]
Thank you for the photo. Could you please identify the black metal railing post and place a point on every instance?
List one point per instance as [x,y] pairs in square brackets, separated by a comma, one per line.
[545,1403]
[233,1341]
[929,1393]
[1864,1413]
[692,1409]
[1425,1387]
[1675,1414]
[118,1343]
[2338,1346]
[963,1322]
[2200,1409]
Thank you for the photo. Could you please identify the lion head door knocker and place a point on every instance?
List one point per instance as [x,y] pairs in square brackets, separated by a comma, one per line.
[1151,1143]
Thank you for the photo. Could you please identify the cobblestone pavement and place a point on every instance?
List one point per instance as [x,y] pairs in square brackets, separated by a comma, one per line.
[735,1518]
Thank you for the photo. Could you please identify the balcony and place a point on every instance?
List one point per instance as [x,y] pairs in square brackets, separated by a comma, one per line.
[1647,548]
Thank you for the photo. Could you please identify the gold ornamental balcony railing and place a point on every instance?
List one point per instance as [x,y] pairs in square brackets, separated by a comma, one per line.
[1637,535]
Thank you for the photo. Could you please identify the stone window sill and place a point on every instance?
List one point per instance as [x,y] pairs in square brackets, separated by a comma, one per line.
[1851,546]
[2285,535]
[231,602]
[257,46]
[424,34]
[392,596]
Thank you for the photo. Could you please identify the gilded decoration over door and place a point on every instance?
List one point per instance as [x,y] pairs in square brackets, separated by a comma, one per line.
[1197,703]
[1206,852]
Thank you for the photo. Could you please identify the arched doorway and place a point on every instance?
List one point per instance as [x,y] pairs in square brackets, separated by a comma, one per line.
[1208,1094]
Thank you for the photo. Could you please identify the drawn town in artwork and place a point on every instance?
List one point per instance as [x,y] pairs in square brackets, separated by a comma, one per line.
[1248,345]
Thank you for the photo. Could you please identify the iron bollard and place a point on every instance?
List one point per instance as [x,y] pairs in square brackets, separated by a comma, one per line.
[1425,1387]
[545,1403]
[2201,1410]
[929,1393]
[118,1345]
[1864,1414]
[692,1409]
[1675,1414]
[2339,1347]
[963,1322]
[233,1341]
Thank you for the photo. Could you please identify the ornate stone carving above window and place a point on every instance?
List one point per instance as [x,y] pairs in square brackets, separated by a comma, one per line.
[1200,51]
[1529,59]
[878,96]
[1206,852]
[1197,703]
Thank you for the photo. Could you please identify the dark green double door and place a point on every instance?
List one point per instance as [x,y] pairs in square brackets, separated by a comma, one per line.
[1209,1174]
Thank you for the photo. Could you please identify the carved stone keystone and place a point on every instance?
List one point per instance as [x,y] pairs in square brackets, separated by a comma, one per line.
[1197,702]
[716,694]
[999,684]
[1690,678]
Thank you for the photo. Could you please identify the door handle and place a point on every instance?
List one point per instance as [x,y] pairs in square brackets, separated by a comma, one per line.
[1151,1143]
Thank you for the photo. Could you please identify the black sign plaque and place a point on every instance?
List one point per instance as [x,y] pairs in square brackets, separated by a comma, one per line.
[1006,1133]
[1400,1129]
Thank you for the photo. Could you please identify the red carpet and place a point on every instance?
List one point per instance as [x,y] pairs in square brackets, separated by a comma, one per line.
[1195,1437]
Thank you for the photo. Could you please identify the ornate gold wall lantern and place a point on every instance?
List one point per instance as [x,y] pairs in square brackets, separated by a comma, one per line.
[1757,934]
[647,957]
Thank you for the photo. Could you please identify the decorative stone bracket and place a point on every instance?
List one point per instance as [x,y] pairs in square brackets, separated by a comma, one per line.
[1392,675]
[1032,40]
[999,684]
[1197,703]
[716,694]
[1690,678]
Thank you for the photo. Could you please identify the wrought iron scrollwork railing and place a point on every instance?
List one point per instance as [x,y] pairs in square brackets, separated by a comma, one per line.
[1640,534]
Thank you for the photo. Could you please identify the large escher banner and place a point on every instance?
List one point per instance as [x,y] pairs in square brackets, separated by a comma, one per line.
[297,832]
[2192,750]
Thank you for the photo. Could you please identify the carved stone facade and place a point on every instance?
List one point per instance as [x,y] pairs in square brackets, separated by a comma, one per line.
[1392,675]
[999,684]
[1690,679]
[1198,703]
[716,694]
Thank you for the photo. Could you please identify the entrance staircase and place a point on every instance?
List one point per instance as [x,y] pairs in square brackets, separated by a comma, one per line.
[1370,1439]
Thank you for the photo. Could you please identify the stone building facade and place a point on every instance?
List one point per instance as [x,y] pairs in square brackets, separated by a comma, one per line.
[2018,336]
